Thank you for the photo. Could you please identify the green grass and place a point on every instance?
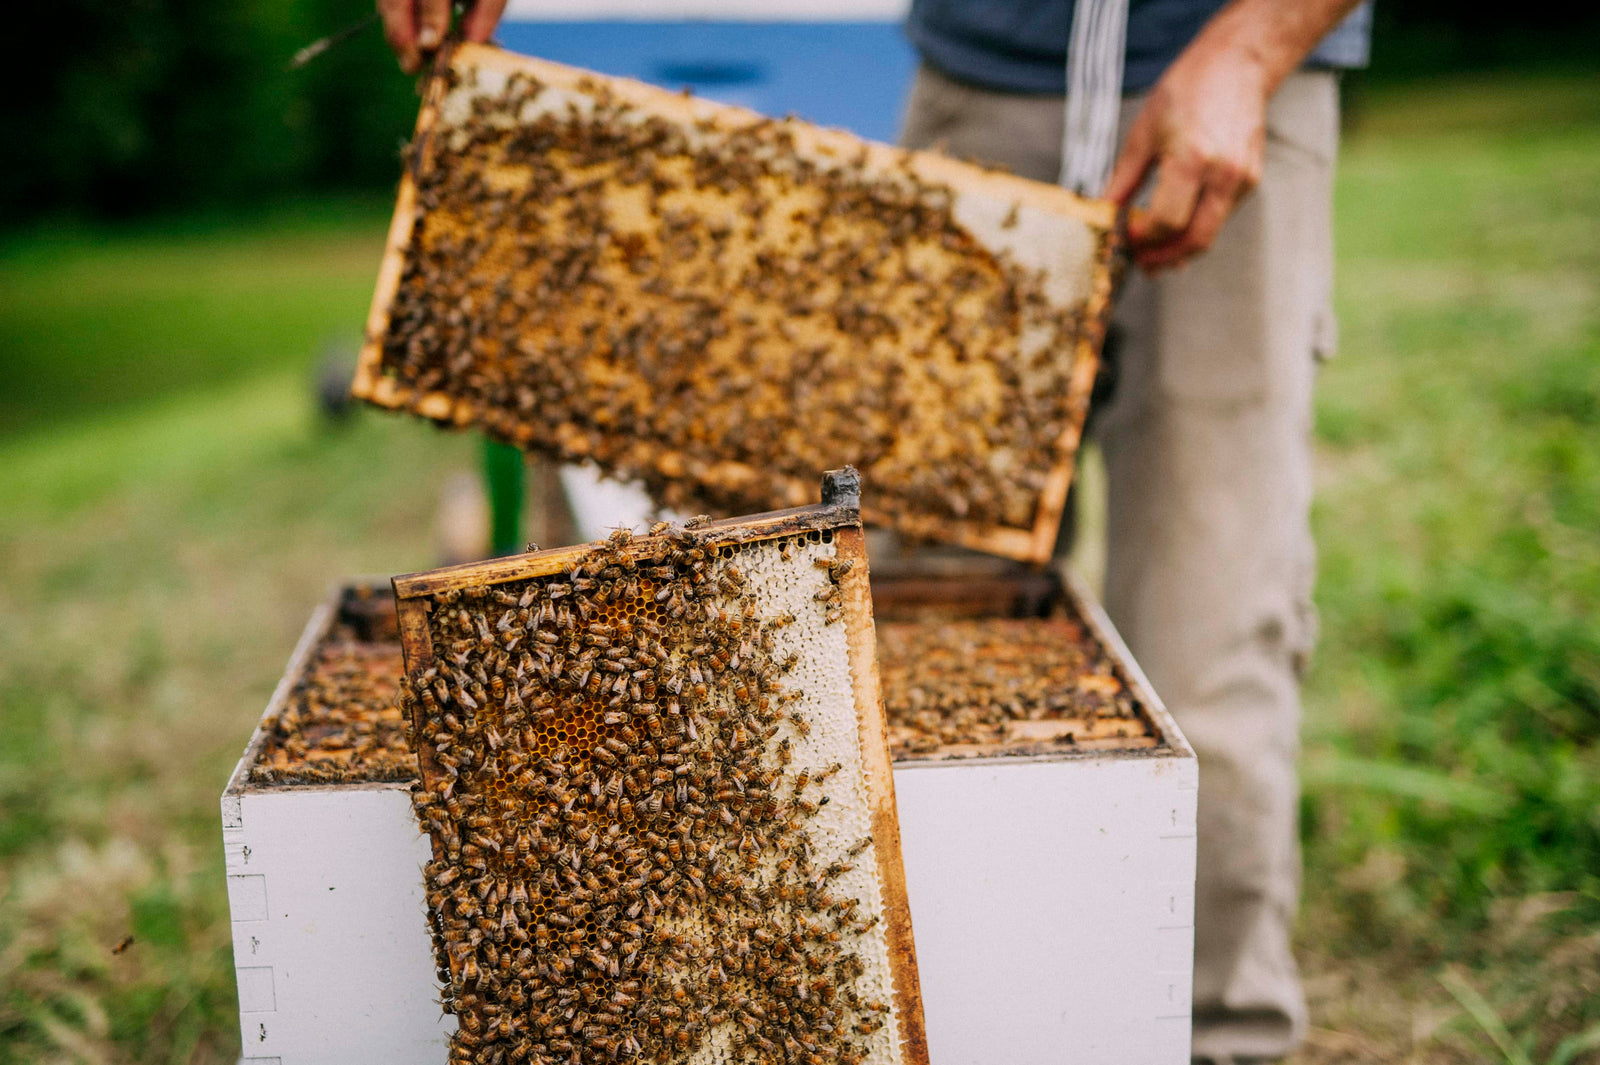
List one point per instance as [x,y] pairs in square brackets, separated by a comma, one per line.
[1452,811]
[92,321]
[163,561]
[171,507]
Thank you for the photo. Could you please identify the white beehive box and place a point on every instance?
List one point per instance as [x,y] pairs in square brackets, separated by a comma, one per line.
[334,962]
[1051,899]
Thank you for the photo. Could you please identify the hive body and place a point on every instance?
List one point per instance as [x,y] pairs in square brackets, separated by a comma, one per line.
[1053,889]
[330,951]
[1048,828]
[720,305]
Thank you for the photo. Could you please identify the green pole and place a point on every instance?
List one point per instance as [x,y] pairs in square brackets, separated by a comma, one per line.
[503,470]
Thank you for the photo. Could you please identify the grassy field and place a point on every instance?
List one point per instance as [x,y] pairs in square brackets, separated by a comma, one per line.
[173,506]
[94,319]
[1452,818]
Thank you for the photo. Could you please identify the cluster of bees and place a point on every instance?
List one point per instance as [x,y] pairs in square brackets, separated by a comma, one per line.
[945,683]
[967,682]
[595,282]
[626,867]
[340,723]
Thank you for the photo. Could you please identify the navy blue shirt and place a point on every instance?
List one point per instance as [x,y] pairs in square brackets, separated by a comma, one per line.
[1021,45]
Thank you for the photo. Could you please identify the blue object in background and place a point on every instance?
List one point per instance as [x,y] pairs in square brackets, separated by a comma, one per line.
[849,74]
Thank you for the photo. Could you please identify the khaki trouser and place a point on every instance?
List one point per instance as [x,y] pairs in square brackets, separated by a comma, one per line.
[1209,553]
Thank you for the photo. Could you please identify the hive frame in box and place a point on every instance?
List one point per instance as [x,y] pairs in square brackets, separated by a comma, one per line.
[1102,975]
[838,519]
[1055,216]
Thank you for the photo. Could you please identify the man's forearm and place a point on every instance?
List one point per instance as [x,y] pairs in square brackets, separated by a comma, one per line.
[1274,36]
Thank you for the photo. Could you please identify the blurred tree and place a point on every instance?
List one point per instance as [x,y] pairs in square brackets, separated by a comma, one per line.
[117,108]
[1422,38]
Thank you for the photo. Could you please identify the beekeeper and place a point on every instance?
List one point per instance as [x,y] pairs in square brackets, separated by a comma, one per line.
[1228,122]
[1220,118]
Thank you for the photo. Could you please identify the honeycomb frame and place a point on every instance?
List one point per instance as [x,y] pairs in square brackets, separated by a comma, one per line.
[1068,244]
[883,964]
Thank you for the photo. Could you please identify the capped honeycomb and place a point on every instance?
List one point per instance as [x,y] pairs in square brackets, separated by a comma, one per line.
[341,722]
[987,686]
[719,304]
[652,809]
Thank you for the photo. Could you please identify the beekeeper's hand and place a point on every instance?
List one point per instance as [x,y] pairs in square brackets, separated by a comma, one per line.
[1203,126]
[415,28]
